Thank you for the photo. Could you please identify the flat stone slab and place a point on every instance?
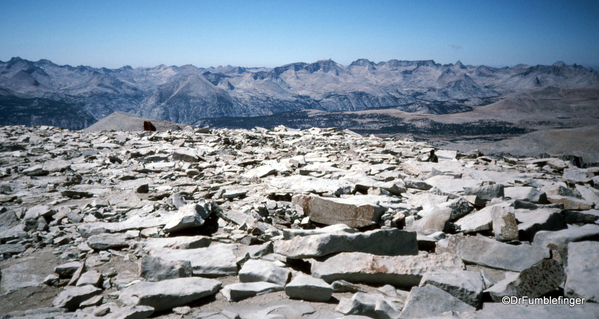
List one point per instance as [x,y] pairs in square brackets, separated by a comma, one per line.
[526,193]
[12,249]
[477,221]
[559,240]
[430,301]
[306,184]
[399,271]
[342,228]
[532,221]
[132,223]
[167,294]
[179,242]
[582,270]
[390,242]
[67,269]
[107,241]
[240,291]
[71,297]
[272,309]
[331,211]
[261,270]
[309,288]
[533,282]
[467,286]
[588,310]
[158,269]
[363,305]
[491,253]
[21,275]
[206,262]
[571,202]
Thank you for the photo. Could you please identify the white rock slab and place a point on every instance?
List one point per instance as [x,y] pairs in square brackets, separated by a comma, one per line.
[167,294]
[309,288]
[399,271]
[261,270]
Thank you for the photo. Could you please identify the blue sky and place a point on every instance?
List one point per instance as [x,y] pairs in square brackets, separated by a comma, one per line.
[271,33]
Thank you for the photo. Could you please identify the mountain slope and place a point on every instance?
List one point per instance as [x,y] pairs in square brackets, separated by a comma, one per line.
[187,94]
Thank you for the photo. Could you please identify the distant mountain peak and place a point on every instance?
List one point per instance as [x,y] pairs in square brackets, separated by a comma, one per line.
[559,64]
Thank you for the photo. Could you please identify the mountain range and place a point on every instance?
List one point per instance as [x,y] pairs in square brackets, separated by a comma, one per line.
[42,92]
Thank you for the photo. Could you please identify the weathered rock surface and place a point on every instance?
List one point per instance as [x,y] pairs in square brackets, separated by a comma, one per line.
[157,269]
[330,211]
[558,241]
[529,194]
[71,297]
[379,242]
[467,286]
[107,241]
[533,282]
[135,209]
[400,271]
[430,301]
[490,253]
[261,270]
[504,224]
[368,305]
[582,269]
[188,216]
[309,288]
[207,262]
[240,291]
[167,294]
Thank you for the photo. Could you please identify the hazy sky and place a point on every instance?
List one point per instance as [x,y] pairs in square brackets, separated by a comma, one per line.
[271,33]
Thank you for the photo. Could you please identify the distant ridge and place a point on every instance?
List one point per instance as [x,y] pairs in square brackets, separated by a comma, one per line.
[186,94]
[120,121]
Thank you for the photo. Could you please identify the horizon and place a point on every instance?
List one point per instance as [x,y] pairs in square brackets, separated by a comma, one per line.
[594,68]
[205,34]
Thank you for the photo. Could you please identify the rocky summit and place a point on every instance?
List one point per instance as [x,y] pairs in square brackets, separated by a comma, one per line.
[287,223]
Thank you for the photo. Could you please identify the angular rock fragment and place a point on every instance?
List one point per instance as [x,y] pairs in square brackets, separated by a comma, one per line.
[305,184]
[571,202]
[558,241]
[207,262]
[260,270]
[167,294]
[481,220]
[467,286]
[157,269]
[491,253]
[92,277]
[390,242]
[308,288]
[369,305]
[532,221]
[487,192]
[526,193]
[190,215]
[588,194]
[399,271]
[240,291]
[71,297]
[430,301]
[587,310]
[504,224]
[330,211]
[582,270]
[533,282]
[67,270]
[107,241]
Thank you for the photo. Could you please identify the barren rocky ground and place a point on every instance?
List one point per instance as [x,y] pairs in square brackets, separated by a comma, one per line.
[283,223]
